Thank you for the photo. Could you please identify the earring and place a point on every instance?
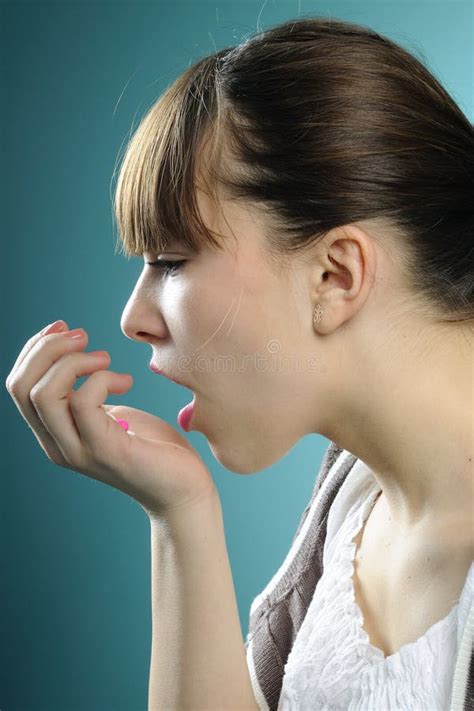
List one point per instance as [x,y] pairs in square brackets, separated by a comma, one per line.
[317,314]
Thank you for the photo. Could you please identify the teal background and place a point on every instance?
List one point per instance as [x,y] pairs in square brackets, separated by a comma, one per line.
[76,79]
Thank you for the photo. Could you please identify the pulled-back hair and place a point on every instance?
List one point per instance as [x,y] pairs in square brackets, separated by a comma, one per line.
[319,123]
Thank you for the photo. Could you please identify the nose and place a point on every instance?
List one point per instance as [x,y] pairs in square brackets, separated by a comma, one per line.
[126,325]
[142,322]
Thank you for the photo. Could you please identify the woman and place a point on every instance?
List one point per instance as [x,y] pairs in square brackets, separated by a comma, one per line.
[303,205]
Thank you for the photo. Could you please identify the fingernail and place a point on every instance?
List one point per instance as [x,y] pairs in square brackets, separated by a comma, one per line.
[123,423]
[76,333]
[55,326]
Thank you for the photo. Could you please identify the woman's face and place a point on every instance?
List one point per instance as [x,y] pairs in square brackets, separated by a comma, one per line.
[238,331]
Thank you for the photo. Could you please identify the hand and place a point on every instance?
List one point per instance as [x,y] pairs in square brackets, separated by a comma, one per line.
[155,465]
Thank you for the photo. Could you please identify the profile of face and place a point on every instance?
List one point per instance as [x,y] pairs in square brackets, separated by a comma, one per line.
[237,329]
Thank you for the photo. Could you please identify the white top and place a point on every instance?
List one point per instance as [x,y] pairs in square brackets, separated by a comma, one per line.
[332,666]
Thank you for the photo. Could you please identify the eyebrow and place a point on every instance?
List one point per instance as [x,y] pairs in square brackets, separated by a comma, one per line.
[177,245]
[169,245]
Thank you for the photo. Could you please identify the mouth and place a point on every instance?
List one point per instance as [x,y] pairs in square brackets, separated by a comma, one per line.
[186,413]
[156,370]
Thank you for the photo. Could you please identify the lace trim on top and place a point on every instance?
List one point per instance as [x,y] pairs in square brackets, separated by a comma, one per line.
[333,660]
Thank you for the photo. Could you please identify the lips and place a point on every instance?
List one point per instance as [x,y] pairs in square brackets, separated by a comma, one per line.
[156,370]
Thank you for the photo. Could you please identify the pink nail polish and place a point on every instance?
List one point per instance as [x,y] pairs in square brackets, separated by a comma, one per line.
[76,333]
[55,326]
[124,424]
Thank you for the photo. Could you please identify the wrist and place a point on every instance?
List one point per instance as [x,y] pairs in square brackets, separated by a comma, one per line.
[190,520]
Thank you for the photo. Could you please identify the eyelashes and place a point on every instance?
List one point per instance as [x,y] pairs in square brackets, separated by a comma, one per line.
[168,266]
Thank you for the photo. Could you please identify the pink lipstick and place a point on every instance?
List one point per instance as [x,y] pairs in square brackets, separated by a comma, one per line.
[156,370]
[185,414]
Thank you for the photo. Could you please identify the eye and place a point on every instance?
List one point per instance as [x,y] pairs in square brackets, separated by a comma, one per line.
[168,266]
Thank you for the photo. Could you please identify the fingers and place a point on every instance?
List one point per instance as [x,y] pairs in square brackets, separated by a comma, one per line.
[41,384]
[19,389]
[61,408]
[40,351]
[40,355]
[86,405]
[52,328]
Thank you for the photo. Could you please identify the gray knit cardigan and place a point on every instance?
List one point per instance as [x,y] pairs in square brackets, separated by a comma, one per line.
[275,622]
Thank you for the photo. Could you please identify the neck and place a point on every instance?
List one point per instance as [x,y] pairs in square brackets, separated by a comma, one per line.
[412,424]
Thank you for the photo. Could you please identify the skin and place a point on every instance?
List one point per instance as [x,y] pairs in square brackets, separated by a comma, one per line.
[378,375]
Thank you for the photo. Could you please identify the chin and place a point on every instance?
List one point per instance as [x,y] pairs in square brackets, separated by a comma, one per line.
[234,462]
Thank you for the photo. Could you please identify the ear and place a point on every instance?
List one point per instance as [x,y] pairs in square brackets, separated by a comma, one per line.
[343,275]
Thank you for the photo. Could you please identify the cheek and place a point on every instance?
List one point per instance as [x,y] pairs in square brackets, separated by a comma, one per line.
[229,311]
[205,314]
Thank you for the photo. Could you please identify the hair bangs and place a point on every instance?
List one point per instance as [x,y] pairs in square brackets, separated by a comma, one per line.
[155,199]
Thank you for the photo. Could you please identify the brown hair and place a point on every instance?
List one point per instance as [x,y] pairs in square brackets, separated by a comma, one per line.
[320,123]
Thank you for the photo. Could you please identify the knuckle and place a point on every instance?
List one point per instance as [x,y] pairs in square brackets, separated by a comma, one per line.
[13,387]
[40,342]
[36,394]
[76,400]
